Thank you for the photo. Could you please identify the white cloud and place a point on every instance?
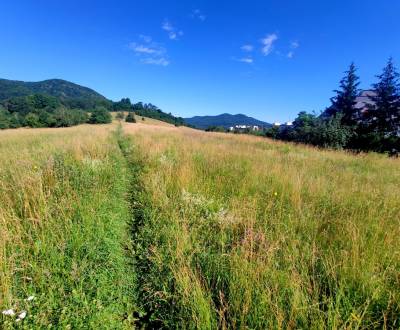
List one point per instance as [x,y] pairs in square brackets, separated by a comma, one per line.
[247,48]
[247,60]
[198,15]
[146,39]
[294,44]
[149,52]
[268,43]
[290,54]
[156,61]
[171,30]
[149,48]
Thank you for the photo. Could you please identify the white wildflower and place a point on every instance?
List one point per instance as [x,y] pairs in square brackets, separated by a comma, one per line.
[22,315]
[30,298]
[9,312]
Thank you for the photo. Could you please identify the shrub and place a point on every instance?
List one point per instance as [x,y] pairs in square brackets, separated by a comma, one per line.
[100,115]
[32,120]
[130,118]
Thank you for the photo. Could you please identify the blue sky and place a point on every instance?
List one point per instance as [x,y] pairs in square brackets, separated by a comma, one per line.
[267,59]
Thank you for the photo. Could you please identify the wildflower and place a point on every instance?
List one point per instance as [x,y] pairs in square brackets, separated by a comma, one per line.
[22,315]
[9,312]
[275,193]
[30,298]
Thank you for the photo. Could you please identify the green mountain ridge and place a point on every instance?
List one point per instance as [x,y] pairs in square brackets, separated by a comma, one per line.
[224,120]
[59,88]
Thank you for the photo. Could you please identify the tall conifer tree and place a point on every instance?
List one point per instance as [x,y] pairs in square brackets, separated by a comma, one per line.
[386,112]
[345,100]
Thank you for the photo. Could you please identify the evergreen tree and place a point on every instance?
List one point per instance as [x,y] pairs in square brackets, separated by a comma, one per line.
[385,115]
[345,100]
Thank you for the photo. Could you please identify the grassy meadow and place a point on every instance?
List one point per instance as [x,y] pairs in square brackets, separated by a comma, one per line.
[153,226]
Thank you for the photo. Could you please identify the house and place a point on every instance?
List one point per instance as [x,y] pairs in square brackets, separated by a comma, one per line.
[364,102]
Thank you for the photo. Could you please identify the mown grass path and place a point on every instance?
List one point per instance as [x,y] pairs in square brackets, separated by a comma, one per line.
[65,237]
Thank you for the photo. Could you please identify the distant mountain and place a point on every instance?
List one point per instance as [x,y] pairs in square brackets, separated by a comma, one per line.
[225,120]
[64,90]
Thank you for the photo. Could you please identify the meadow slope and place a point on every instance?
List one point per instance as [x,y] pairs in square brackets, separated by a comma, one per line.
[159,226]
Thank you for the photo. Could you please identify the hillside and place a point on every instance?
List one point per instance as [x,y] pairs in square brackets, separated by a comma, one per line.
[59,88]
[225,120]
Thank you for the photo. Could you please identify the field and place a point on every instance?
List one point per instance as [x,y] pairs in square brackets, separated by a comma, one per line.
[152,226]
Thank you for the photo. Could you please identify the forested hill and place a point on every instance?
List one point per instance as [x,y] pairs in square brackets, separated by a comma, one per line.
[224,120]
[69,93]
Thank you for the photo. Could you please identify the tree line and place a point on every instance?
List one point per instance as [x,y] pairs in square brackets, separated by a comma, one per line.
[348,124]
[40,110]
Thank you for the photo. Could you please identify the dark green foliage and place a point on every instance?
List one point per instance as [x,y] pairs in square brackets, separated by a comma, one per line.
[272,132]
[39,111]
[372,127]
[4,118]
[123,105]
[151,111]
[215,129]
[66,117]
[32,120]
[100,115]
[387,101]
[225,120]
[130,118]
[345,100]
[318,131]
[69,94]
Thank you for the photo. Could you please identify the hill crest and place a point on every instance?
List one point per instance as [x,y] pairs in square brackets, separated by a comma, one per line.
[225,120]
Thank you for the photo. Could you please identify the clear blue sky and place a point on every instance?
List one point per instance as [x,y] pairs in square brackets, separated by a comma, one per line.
[267,59]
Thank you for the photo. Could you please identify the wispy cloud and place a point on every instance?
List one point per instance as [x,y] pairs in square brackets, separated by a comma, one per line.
[268,43]
[247,48]
[173,33]
[156,61]
[294,44]
[247,60]
[149,52]
[197,13]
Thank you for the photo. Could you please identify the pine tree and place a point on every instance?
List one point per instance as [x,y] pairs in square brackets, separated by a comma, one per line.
[345,100]
[386,112]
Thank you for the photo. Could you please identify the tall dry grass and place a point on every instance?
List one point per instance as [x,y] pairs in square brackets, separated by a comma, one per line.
[244,232]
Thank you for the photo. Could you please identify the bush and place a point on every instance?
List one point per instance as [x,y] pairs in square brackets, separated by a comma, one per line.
[32,120]
[130,118]
[100,115]
[4,119]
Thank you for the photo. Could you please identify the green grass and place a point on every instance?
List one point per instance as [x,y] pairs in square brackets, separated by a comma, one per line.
[66,221]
